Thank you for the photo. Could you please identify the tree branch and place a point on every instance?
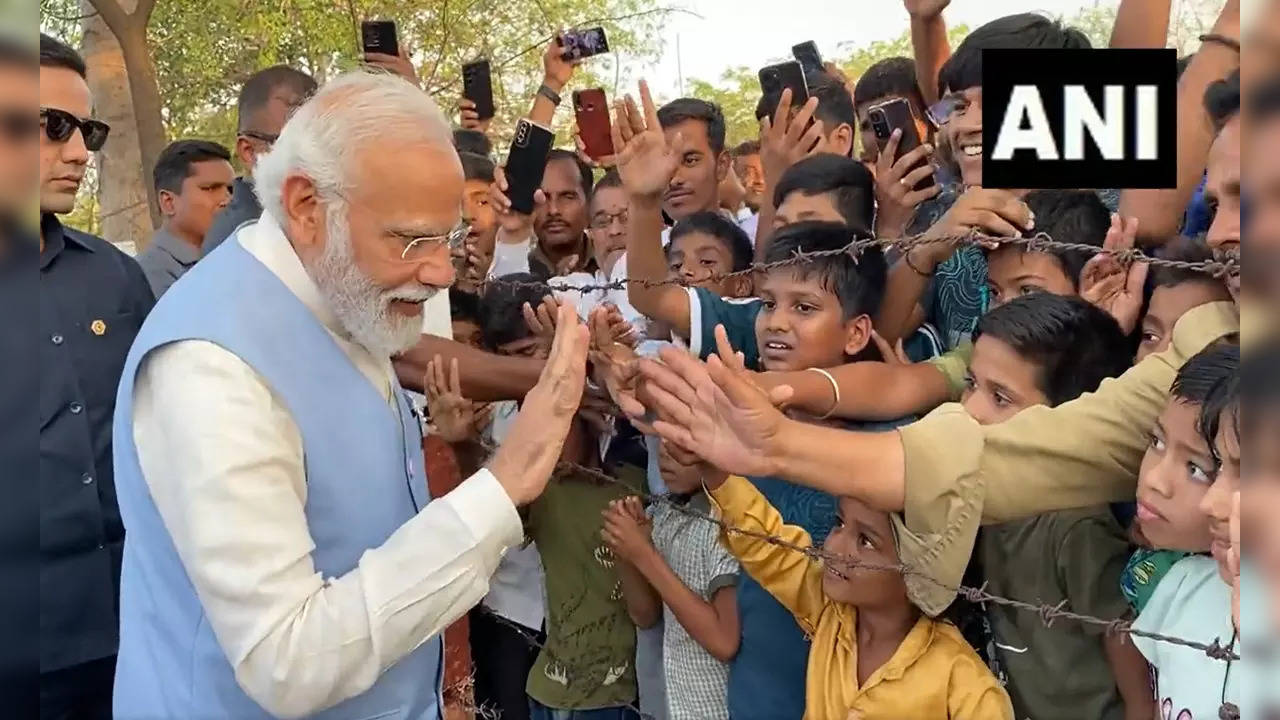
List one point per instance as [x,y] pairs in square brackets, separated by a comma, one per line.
[142,11]
[112,14]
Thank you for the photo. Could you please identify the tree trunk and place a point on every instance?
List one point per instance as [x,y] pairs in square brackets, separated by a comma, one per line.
[145,89]
[123,211]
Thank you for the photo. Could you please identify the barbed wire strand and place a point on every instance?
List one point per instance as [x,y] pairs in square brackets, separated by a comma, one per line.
[1048,613]
[1039,242]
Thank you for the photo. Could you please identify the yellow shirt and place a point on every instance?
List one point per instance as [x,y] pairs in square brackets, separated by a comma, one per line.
[960,474]
[934,674]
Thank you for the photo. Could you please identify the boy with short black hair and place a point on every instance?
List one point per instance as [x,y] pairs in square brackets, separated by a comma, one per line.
[588,660]
[746,162]
[888,79]
[1175,291]
[826,187]
[1046,349]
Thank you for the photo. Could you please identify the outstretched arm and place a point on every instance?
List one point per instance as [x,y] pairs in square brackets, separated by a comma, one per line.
[484,376]
[928,43]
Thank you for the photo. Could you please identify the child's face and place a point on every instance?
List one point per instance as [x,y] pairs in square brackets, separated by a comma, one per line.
[1176,472]
[1216,503]
[963,134]
[466,332]
[1170,303]
[801,324]
[679,478]
[799,207]
[477,212]
[696,256]
[1001,383]
[524,347]
[608,228]
[866,536]
[1013,273]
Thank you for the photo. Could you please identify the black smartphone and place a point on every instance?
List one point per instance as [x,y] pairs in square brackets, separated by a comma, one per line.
[894,114]
[526,162]
[584,43]
[776,78]
[477,86]
[806,53]
[379,36]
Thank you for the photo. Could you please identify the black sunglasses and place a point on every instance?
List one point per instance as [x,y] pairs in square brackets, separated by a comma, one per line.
[59,124]
[18,125]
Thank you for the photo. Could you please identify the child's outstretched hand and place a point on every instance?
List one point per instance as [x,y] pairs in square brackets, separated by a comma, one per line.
[1110,282]
[542,322]
[452,416]
[627,529]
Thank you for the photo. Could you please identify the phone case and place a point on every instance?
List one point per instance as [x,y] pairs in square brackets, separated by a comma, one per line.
[477,86]
[379,36]
[591,109]
[526,162]
[775,78]
[896,113]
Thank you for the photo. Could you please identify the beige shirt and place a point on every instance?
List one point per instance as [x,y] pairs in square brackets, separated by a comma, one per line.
[223,460]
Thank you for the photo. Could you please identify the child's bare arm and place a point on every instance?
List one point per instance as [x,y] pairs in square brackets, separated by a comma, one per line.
[646,163]
[868,390]
[1133,678]
[643,603]
[713,623]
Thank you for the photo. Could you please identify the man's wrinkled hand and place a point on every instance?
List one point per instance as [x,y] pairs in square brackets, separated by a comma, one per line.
[525,460]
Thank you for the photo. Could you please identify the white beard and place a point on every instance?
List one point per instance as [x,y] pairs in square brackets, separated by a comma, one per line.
[362,307]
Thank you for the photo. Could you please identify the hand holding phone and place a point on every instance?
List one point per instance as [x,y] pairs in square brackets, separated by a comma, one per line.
[591,109]
[526,162]
[895,114]
[585,43]
[477,86]
[788,75]
[379,36]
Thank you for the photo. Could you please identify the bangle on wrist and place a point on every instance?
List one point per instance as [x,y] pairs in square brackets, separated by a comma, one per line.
[1219,38]
[835,387]
[906,258]
[545,91]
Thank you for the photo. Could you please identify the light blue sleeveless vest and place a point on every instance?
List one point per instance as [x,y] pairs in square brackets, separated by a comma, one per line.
[365,478]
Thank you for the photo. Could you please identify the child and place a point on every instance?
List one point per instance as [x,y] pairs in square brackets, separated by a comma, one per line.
[678,570]
[588,660]
[472,260]
[1177,470]
[1044,349]
[1194,597]
[912,389]
[874,654]
[1177,291]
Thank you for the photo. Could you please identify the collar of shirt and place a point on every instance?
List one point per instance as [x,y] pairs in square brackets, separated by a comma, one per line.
[55,238]
[180,250]
[586,262]
[913,646]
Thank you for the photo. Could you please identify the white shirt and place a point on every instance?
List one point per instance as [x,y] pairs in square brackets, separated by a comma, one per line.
[510,257]
[223,460]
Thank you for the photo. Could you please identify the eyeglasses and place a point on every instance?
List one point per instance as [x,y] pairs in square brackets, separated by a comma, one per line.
[59,124]
[416,248]
[603,221]
[17,124]
[267,138]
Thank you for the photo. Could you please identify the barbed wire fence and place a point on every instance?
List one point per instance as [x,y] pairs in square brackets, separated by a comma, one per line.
[1221,267]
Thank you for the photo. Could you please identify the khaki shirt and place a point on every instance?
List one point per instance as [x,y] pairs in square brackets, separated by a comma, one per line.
[960,474]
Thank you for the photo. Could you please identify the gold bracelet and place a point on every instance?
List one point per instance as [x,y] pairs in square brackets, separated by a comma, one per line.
[835,387]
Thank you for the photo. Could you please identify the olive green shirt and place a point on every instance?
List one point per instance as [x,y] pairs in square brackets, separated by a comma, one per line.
[960,474]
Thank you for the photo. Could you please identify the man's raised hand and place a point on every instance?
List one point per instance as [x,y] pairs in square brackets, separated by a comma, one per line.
[788,137]
[524,462]
[646,162]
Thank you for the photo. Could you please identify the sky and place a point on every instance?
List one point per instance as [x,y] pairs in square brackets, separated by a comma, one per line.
[754,32]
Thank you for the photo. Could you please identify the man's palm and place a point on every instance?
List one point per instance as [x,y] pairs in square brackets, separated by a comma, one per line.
[646,161]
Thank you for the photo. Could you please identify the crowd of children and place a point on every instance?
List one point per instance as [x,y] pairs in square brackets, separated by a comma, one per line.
[777,601]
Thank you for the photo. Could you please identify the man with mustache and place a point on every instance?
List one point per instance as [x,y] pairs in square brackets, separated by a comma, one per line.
[93,299]
[285,557]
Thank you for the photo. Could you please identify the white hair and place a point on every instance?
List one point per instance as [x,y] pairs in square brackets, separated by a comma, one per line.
[323,139]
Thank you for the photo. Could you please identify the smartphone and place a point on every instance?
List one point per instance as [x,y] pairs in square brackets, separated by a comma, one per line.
[894,114]
[526,162]
[592,112]
[477,86]
[806,53]
[379,36]
[776,78]
[580,44]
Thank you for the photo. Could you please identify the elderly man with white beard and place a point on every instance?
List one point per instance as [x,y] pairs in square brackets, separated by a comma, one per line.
[283,555]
